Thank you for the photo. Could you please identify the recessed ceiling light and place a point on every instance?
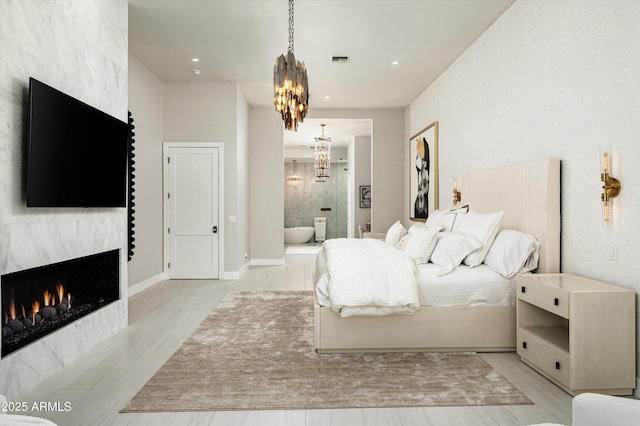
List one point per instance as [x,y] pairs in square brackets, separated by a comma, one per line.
[395,62]
[196,72]
[195,60]
[327,97]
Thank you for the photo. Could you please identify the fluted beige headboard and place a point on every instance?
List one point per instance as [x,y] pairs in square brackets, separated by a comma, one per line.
[529,195]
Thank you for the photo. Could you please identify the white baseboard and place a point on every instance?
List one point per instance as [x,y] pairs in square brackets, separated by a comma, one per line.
[149,282]
[267,262]
[236,275]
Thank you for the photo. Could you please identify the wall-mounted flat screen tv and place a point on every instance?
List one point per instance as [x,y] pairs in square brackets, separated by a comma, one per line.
[76,154]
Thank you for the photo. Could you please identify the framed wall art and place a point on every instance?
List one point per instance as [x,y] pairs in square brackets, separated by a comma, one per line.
[423,172]
[365,197]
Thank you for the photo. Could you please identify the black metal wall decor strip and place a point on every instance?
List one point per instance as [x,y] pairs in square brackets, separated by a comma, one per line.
[131,188]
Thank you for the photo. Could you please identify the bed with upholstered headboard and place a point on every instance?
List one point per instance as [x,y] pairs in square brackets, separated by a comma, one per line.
[529,196]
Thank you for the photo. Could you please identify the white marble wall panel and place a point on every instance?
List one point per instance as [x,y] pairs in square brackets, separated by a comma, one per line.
[41,243]
[80,48]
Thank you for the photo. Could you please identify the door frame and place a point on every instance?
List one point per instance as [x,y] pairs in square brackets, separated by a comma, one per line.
[166,146]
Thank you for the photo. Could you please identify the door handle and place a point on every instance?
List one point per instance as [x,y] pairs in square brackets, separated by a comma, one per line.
[215,229]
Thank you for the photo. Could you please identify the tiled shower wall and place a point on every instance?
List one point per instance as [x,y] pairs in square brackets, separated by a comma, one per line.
[304,201]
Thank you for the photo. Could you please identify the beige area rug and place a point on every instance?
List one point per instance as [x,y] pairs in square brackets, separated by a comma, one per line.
[255,351]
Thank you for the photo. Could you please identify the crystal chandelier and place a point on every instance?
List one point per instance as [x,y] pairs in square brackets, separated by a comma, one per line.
[291,85]
[322,156]
[294,179]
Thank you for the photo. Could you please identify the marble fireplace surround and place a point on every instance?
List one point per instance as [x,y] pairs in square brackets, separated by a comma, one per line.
[40,301]
[23,370]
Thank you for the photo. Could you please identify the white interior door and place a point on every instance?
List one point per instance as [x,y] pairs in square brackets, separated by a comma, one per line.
[193,231]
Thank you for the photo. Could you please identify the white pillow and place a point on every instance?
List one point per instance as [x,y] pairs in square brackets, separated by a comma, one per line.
[513,252]
[435,217]
[419,243]
[417,225]
[445,217]
[395,232]
[451,248]
[482,226]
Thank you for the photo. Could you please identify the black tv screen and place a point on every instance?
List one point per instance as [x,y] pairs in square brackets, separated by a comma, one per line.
[76,154]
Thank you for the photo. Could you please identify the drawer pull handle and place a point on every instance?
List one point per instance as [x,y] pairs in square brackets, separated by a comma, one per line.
[556,301]
[557,365]
[524,345]
[524,289]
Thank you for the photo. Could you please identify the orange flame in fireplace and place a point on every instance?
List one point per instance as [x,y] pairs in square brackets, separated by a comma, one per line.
[60,290]
[36,309]
[49,299]
[12,309]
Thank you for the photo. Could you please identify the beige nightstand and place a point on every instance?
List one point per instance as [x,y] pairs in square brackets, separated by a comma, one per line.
[579,333]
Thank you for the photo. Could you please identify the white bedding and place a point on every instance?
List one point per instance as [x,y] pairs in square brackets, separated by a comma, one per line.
[366,277]
[464,286]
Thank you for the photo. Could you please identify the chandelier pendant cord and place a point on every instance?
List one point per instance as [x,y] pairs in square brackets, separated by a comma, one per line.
[291,26]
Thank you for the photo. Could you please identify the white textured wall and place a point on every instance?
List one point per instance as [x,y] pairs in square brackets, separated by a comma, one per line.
[80,48]
[551,78]
[145,104]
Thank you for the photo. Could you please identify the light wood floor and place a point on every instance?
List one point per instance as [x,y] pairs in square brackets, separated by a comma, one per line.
[160,318]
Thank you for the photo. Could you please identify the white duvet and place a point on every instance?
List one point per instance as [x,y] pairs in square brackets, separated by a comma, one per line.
[368,277]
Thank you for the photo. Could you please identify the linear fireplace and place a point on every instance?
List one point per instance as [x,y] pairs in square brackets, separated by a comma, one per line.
[39,301]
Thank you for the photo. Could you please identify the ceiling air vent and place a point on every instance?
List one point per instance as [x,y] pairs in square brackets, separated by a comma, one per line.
[340,59]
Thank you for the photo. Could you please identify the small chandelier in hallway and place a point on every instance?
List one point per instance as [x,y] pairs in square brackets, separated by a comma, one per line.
[322,156]
[291,84]
[294,179]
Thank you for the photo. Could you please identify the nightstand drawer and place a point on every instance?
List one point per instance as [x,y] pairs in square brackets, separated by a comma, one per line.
[549,298]
[550,359]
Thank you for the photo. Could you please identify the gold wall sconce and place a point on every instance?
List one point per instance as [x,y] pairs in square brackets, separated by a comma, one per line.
[610,188]
[457,195]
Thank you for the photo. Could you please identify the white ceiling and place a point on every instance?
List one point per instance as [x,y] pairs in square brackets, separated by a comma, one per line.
[238,41]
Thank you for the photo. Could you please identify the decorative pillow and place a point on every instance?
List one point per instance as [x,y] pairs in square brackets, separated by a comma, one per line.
[403,242]
[445,217]
[482,226]
[395,232]
[513,252]
[420,243]
[451,248]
